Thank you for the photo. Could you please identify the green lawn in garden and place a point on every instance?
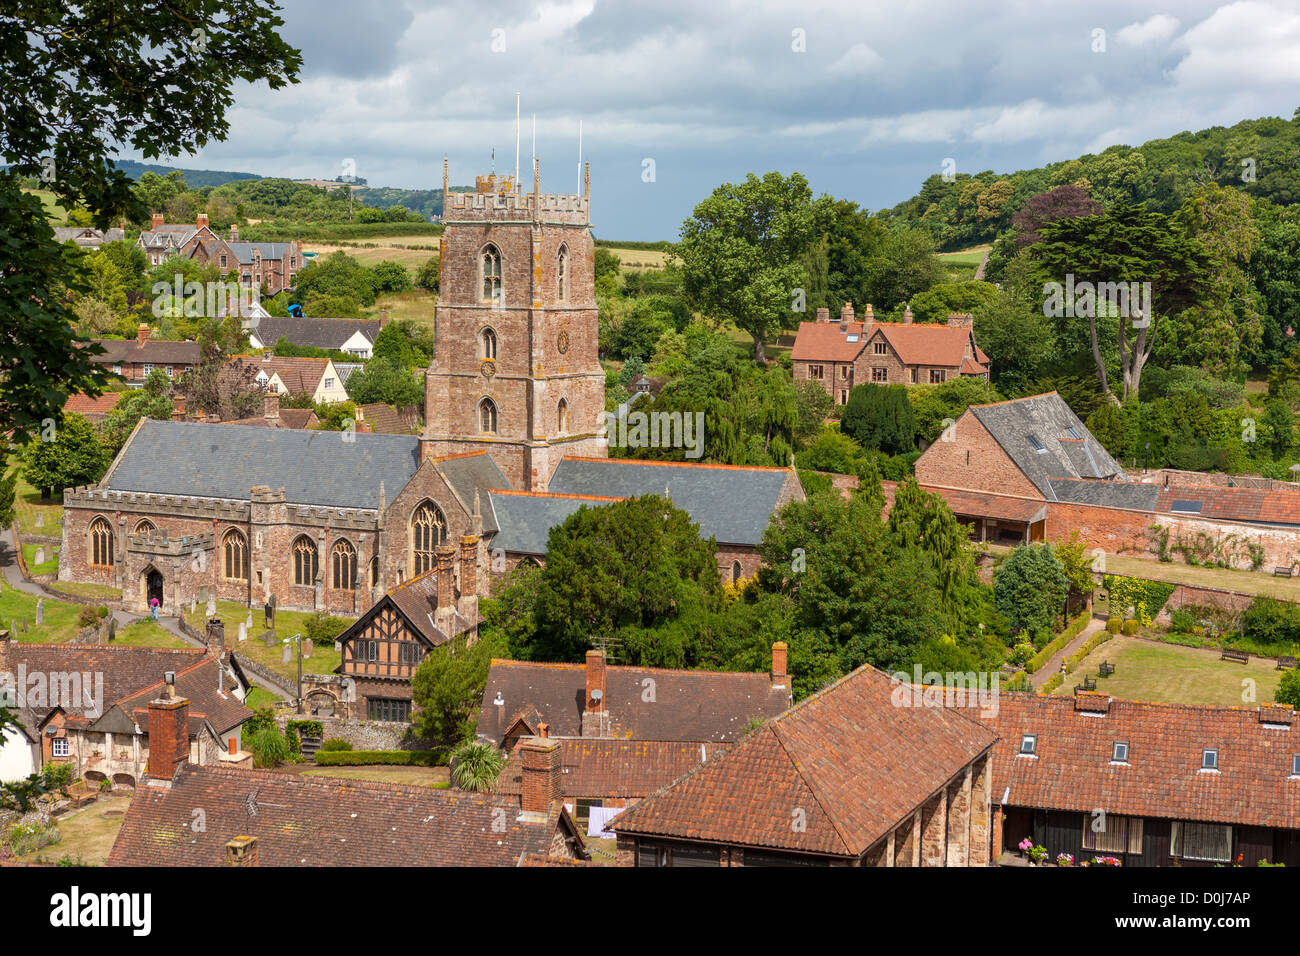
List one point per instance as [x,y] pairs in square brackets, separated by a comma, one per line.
[49,566]
[434,777]
[1149,670]
[28,505]
[287,623]
[146,633]
[101,592]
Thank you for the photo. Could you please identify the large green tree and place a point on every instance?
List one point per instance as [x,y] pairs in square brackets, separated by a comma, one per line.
[880,417]
[448,688]
[742,253]
[65,456]
[82,82]
[1030,588]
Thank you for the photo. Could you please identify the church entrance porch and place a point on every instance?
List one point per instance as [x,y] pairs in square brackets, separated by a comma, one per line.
[153,587]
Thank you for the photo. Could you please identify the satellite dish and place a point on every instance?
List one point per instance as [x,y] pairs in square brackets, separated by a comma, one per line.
[597,694]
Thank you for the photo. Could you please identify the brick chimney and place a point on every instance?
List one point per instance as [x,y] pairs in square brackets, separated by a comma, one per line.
[907,315]
[178,408]
[242,851]
[823,315]
[595,711]
[540,757]
[271,406]
[868,321]
[960,320]
[202,220]
[446,559]
[216,635]
[234,232]
[157,220]
[142,334]
[469,576]
[169,735]
[383,317]
[779,677]
[846,316]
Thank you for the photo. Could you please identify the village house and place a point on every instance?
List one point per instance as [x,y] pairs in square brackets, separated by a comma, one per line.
[291,513]
[1029,470]
[387,420]
[1150,784]
[134,359]
[273,416]
[847,777]
[353,336]
[88,237]
[313,377]
[265,818]
[94,408]
[624,731]
[267,266]
[86,705]
[839,355]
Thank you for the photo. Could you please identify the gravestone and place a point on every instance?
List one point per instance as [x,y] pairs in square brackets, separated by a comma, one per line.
[40,611]
[40,520]
[194,605]
[338,647]
[40,556]
[211,609]
[249,622]
[269,638]
[24,624]
[306,649]
[286,655]
[112,629]
[243,632]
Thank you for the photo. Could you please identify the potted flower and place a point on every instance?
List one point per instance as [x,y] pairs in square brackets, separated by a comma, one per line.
[1025,846]
[1064,859]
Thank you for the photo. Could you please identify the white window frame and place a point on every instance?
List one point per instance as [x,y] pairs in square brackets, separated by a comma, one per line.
[59,747]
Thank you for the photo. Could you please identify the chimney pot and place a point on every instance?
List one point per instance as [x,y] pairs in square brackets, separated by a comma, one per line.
[169,733]
[907,316]
[142,334]
[234,232]
[202,220]
[271,406]
[157,220]
[540,759]
[779,654]
[242,851]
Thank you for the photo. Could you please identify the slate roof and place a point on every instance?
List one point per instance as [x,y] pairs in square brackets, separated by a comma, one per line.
[601,768]
[525,518]
[1163,777]
[688,706]
[227,461]
[318,333]
[288,418]
[732,504]
[321,821]
[417,599]
[473,474]
[1109,494]
[153,352]
[270,250]
[852,760]
[1050,420]
[198,684]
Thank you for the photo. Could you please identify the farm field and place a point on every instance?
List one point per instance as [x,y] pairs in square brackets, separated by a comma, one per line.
[961,265]
[410,251]
[640,258]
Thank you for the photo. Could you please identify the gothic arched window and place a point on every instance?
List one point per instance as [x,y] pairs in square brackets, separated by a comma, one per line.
[428,530]
[562,275]
[306,561]
[101,543]
[343,566]
[487,416]
[562,417]
[487,344]
[145,526]
[491,269]
[234,556]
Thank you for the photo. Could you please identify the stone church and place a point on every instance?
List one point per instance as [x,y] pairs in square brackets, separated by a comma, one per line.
[514,443]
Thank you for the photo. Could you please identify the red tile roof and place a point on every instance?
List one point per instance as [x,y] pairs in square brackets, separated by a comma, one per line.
[917,343]
[1163,776]
[598,768]
[1236,504]
[986,504]
[852,760]
[322,821]
[95,408]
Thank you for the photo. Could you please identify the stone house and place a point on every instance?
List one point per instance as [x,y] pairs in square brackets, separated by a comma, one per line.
[842,354]
[265,818]
[85,704]
[848,777]
[269,266]
[135,358]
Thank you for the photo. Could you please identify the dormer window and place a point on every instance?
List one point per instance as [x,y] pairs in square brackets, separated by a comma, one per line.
[1029,745]
[1119,754]
[1295,765]
[1210,759]
[1073,434]
[1036,444]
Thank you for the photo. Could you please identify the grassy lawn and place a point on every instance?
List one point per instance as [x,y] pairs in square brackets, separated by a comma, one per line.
[28,505]
[1228,579]
[287,623]
[60,625]
[86,836]
[101,591]
[960,266]
[49,566]
[411,251]
[56,214]
[145,633]
[260,697]
[1148,670]
[434,777]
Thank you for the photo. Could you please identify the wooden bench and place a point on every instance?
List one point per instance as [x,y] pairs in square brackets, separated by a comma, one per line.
[1105,669]
[1286,662]
[1282,572]
[82,793]
[1089,683]
[1241,657]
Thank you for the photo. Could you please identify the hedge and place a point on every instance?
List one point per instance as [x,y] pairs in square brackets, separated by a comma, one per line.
[1072,630]
[1130,592]
[1090,645]
[396,758]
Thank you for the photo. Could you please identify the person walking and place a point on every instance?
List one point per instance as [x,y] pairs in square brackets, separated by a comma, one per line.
[153,608]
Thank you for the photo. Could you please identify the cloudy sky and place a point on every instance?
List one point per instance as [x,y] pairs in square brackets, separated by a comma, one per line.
[866,98]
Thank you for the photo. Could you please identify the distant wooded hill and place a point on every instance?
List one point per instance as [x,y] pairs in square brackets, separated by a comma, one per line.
[194,178]
[1261,157]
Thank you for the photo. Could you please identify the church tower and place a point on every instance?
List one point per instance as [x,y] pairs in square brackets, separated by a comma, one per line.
[515,370]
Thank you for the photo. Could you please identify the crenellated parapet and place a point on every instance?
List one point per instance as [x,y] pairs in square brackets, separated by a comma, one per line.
[181,506]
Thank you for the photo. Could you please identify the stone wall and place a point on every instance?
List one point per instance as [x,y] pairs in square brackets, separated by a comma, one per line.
[365,734]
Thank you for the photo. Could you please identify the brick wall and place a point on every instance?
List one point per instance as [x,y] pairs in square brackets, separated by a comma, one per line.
[973,460]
